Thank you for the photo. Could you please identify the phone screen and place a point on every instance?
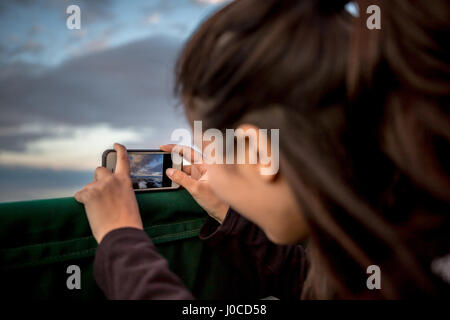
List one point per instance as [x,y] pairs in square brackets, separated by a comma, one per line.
[149,170]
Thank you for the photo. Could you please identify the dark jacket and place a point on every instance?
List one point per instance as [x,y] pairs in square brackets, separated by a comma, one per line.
[128,266]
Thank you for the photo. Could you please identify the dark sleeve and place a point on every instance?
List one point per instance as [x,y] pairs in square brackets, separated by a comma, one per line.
[128,266]
[273,270]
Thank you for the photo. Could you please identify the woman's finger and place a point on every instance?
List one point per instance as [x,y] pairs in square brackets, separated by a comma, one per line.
[182,179]
[187,169]
[79,196]
[82,195]
[123,162]
[100,173]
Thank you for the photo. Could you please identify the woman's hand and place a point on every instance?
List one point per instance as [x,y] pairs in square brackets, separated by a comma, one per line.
[194,179]
[109,200]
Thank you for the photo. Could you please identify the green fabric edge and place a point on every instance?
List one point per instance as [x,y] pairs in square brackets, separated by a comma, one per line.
[45,253]
[167,216]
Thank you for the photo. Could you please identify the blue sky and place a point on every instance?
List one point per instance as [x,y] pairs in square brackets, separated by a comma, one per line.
[35,31]
[67,95]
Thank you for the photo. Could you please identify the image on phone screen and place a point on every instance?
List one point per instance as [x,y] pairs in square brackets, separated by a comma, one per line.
[147,170]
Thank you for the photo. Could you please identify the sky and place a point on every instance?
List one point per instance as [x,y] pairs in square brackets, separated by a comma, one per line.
[67,95]
[146,165]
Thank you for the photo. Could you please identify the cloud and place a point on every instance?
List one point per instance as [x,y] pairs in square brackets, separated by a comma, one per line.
[101,42]
[17,48]
[160,6]
[153,18]
[77,148]
[128,89]
[125,86]
[209,2]
[35,30]
[29,46]
[146,165]
[92,11]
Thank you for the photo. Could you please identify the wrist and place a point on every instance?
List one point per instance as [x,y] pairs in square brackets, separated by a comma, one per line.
[120,229]
[135,223]
[220,214]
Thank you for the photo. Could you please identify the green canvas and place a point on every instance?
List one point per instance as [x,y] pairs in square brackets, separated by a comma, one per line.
[40,239]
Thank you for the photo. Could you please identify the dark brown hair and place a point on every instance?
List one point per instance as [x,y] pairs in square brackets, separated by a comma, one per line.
[364,127]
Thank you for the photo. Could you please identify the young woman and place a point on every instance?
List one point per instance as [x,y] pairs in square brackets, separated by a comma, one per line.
[364,163]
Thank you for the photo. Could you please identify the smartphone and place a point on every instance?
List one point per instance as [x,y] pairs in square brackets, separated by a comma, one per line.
[147,168]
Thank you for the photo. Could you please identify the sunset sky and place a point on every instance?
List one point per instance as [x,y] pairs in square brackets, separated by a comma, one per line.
[67,95]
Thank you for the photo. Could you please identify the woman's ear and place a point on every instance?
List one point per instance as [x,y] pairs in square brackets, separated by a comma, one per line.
[259,151]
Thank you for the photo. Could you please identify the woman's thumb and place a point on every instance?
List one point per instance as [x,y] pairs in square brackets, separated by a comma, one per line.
[181,178]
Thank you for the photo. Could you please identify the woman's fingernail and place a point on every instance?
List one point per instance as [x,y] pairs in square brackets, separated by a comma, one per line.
[170,172]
